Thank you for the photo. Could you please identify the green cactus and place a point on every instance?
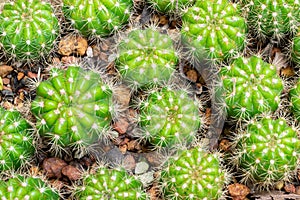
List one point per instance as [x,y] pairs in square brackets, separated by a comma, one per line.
[272,18]
[251,86]
[96,17]
[214,27]
[21,187]
[169,117]
[267,152]
[295,100]
[16,142]
[146,58]
[296,48]
[170,6]
[28,29]
[193,174]
[72,107]
[114,184]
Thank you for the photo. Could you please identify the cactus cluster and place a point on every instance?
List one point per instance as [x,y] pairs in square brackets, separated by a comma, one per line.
[214,27]
[267,151]
[146,57]
[193,174]
[72,107]
[114,184]
[95,17]
[170,6]
[169,118]
[26,188]
[251,86]
[16,140]
[28,29]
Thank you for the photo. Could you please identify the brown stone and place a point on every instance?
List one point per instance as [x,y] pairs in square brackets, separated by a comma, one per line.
[192,75]
[69,60]
[20,75]
[290,188]
[5,70]
[238,191]
[121,125]
[31,75]
[6,81]
[72,44]
[73,173]
[129,162]
[53,167]
[224,145]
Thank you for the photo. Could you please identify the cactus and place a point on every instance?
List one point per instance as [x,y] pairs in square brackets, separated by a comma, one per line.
[146,58]
[214,28]
[96,17]
[170,6]
[193,174]
[28,29]
[251,86]
[296,48]
[267,152]
[22,187]
[111,184]
[72,107]
[169,118]
[295,100]
[16,142]
[272,18]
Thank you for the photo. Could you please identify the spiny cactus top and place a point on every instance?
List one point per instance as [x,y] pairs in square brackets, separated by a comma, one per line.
[169,117]
[214,26]
[268,151]
[251,86]
[28,29]
[272,18]
[170,6]
[26,188]
[146,57]
[113,184]
[193,174]
[72,107]
[295,100]
[15,140]
[296,49]
[97,17]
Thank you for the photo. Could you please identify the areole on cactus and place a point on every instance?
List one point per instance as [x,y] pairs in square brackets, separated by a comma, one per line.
[73,107]
[28,29]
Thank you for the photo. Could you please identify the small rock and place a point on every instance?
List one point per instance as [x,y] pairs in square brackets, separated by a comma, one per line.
[69,60]
[147,178]
[123,148]
[287,72]
[133,145]
[192,75]
[122,95]
[279,185]
[224,145]
[89,52]
[31,75]
[141,168]
[73,173]
[163,20]
[20,75]
[5,70]
[129,162]
[155,159]
[6,81]
[238,191]
[72,44]
[290,188]
[114,156]
[121,125]
[53,167]
[57,184]
[298,190]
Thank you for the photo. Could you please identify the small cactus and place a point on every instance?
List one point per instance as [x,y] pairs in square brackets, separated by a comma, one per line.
[272,18]
[16,142]
[170,6]
[215,27]
[96,17]
[296,48]
[267,151]
[25,188]
[193,174]
[169,118]
[251,86]
[111,184]
[146,57]
[72,107]
[28,29]
[295,100]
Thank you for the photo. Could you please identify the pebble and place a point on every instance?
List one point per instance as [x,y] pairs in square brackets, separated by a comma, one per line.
[6,81]
[5,70]
[121,125]
[141,168]
[238,191]
[147,178]
[72,45]
[53,167]
[73,173]
[290,188]
[129,162]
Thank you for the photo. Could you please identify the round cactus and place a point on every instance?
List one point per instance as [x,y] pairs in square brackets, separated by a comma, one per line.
[96,17]
[251,86]
[272,18]
[170,6]
[267,152]
[214,27]
[146,57]
[21,187]
[169,117]
[72,107]
[296,48]
[16,143]
[111,184]
[28,29]
[193,174]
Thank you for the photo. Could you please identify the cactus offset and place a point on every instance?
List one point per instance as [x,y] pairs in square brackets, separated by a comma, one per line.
[28,29]
[96,17]
[73,107]
[193,174]
[110,184]
[16,143]
[170,6]
[146,57]
[214,27]
[251,86]
[169,118]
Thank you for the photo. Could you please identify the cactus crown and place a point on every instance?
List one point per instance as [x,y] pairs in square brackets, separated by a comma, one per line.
[16,143]
[28,29]
[72,107]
